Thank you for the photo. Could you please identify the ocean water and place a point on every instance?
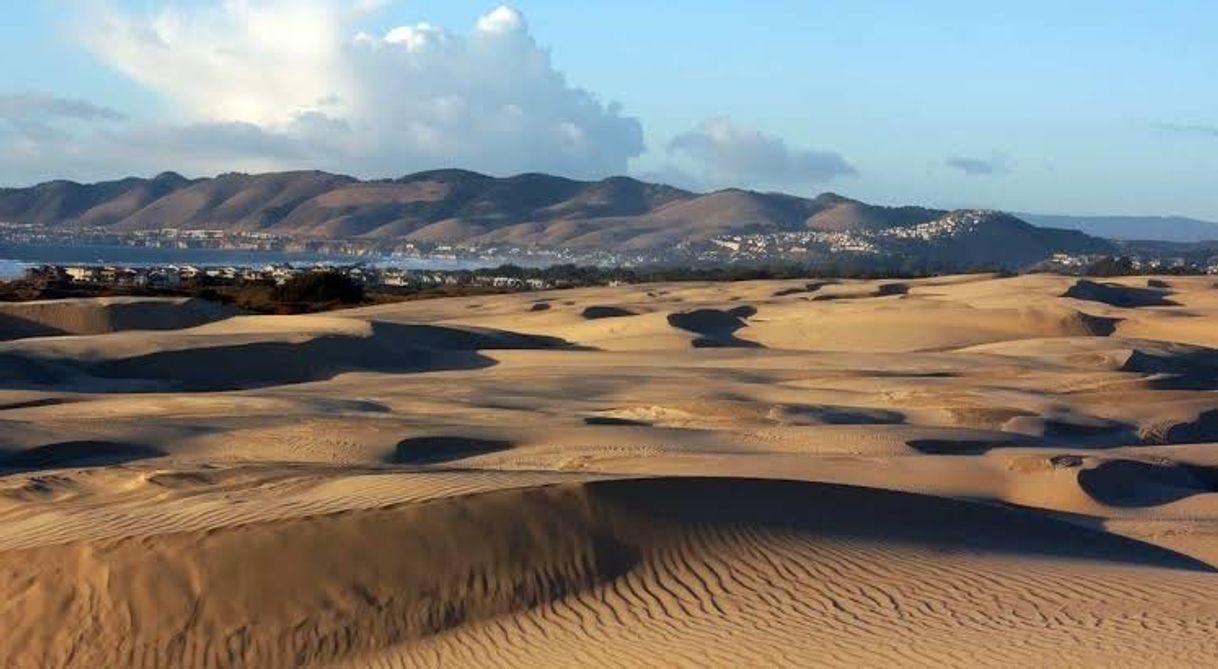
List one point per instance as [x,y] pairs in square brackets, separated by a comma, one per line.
[15,258]
[11,269]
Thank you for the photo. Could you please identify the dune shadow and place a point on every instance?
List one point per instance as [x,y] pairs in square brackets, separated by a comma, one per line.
[18,371]
[966,446]
[16,327]
[954,446]
[716,328]
[1117,295]
[407,572]
[439,450]
[891,289]
[40,402]
[1201,430]
[816,414]
[898,374]
[1077,430]
[391,348]
[1098,326]
[597,312]
[258,365]
[1180,368]
[610,420]
[1025,429]
[880,516]
[1131,483]
[785,292]
[77,454]
[810,287]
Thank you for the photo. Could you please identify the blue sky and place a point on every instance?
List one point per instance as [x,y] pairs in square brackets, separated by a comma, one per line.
[1062,107]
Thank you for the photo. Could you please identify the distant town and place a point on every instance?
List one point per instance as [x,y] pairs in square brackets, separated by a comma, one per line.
[939,246]
[504,277]
[173,277]
[356,249]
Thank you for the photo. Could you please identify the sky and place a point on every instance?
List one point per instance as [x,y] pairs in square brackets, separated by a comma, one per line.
[1080,107]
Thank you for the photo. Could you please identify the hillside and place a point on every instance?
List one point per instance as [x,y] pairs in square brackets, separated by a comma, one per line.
[537,210]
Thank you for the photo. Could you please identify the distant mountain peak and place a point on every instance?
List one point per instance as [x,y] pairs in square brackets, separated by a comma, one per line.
[445,174]
[834,198]
[169,177]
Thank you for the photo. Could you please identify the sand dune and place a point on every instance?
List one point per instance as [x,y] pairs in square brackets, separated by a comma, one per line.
[376,579]
[104,315]
[1118,295]
[239,357]
[960,471]
[1134,483]
[76,454]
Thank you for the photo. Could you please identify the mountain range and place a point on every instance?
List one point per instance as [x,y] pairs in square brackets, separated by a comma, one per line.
[457,206]
[1149,228]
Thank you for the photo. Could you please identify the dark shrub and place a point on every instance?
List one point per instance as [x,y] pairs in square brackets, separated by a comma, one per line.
[320,287]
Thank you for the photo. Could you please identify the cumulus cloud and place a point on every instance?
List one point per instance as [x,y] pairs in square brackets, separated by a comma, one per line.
[277,84]
[721,152]
[979,167]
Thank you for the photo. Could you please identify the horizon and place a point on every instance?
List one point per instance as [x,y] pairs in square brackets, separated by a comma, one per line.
[810,196]
[1105,112]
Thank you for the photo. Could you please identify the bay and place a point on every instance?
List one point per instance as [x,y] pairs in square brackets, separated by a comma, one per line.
[16,258]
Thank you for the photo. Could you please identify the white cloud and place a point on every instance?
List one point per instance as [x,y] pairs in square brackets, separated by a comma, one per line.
[293,83]
[412,38]
[256,61]
[502,20]
[720,152]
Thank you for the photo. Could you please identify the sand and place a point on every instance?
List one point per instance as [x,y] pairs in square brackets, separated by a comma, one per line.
[962,471]
[103,315]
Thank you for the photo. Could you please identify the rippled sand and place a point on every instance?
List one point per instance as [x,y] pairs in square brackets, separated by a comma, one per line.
[949,472]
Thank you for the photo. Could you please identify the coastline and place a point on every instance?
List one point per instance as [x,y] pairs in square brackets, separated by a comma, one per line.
[16,258]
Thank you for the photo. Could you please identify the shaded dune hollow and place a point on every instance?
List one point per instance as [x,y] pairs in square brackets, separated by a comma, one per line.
[1117,295]
[76,454]
[336,587]
[434,450]
[1131,483]
[810,287]
[1176,367]
[716,328]
[105,315]
[231,364]
[599,311]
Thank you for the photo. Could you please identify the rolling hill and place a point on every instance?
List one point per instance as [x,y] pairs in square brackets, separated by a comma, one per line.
[537,210]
